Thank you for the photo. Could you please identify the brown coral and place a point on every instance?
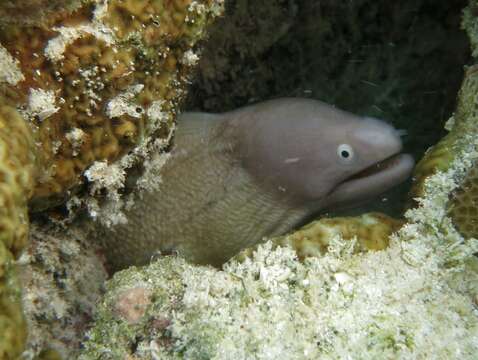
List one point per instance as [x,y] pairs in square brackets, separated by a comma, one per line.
[16,184]
[112,73]
[464,207]
[35,11]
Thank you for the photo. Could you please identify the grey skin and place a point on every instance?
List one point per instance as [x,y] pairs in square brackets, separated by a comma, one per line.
[237,177]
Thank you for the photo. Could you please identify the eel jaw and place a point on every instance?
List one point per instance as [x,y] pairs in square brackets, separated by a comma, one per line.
[372,181]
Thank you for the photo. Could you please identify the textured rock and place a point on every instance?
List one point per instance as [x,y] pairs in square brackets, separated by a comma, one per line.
[62,277]
[463,205]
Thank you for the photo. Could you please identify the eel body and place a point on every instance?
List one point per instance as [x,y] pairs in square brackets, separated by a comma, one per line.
[236,177]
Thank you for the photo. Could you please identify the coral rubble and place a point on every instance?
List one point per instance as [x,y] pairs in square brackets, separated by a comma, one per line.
[375,305]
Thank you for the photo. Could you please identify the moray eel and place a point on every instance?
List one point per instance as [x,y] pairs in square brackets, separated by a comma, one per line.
[259,171]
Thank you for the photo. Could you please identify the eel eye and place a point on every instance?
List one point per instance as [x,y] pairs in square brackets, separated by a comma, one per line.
[345,153]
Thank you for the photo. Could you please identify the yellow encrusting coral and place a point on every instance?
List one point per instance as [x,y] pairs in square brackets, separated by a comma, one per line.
[113,73]
[370,231]
[17,170]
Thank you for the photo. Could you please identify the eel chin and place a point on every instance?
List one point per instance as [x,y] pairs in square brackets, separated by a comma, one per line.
[372,181]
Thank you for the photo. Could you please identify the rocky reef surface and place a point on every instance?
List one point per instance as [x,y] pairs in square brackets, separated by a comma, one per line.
[63,276]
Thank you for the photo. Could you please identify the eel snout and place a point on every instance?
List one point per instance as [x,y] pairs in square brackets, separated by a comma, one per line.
[374,180]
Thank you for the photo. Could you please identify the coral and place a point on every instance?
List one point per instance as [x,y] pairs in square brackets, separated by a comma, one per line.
[370,231]
[99,100]
[17,175]
[17,164]
[461,125]
[132,304]
[12,322]
[62,277]
[463,208]
[112,73]
[463,205]
[35,11]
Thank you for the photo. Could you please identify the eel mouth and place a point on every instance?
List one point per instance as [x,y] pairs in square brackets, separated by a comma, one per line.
[374,180]
[384,165]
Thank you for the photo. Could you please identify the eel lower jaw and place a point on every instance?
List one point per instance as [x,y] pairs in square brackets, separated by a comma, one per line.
[372,181]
